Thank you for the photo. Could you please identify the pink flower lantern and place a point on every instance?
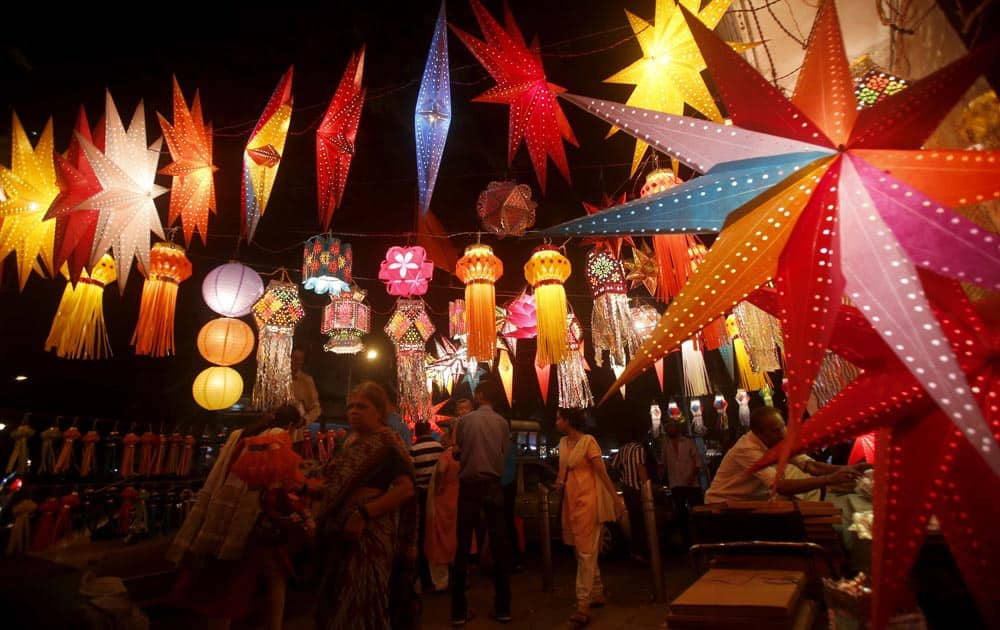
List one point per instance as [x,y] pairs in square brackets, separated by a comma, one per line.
[406,271]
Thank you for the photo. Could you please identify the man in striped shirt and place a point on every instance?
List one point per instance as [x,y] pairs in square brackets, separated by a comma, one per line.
[630,464]
[425,453]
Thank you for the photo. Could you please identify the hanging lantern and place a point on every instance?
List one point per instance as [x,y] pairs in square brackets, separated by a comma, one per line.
[506,371]
[655,416]
[326,265]
[644,319]
[520,318]
[456,319]
[546,271]
[506,208]
[345,320]
[478,269]
[762,334]
[232,289]
[78,330]
[743,400]
[611,321]
[697,421]
[217,388]
[695,373]
[872,83]
[409,327]
[154,332]
[276,313]
[574,389]
[749,378]
[225,341]
[677,255]
[406,271]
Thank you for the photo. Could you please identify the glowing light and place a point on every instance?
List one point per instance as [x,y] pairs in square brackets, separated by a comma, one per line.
[262,156]
[433,112]
[336,136]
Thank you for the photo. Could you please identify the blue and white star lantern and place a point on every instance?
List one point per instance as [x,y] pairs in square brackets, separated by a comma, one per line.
[433,114]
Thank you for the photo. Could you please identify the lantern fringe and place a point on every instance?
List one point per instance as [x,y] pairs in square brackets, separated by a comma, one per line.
[480,314]
[550,309]
[673,260]
[714,335]
[19,456]
[48,458]
[506,371]
[65,460]
[78,330]
[835,373]
[749,379]
[20,535]
[154,331]
[612,329]
[762,335]
[273,386]
[574,389]
[695,373]
[726,352]
[414,401]
[89,457]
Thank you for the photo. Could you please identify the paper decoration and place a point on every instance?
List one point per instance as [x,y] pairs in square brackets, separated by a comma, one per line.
[189,140]
[451,362]
[611,323]
[217,388]
[505,368]
[78,330]
[747,376]
[29,188]
[326,265]
[506,208]
[743,400]
[546,271]
[433,113]
[154,332]
[456,319]
[613,244]
[697,421]
[721,405]
[676,254]
[642,269]
[655,416]
[696,381]
[762,334]
[542,374]
[669,73]
[126,170]
[574,389]
[263,154]
[875,85]
[346,319]
[535,115]
[225,341]
[406,271]
[232,289]
[479,269]
[409,328]
[277,313]
[335,138]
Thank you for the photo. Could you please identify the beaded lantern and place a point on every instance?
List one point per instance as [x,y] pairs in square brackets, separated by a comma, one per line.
[675,253]
[232,289]
[479,268]
[611,321]
[154,332]
[345,320]
[574,389]
[873,84]
[276,313]
[409,327]
[546,271]
[326,265]
[456,319]
[78,330]
[506,208]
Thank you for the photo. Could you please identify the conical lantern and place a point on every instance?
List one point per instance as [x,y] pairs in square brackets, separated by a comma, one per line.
[78,330]
[546,271]
[154,332]
[276,313]
[479,269]
[409,327]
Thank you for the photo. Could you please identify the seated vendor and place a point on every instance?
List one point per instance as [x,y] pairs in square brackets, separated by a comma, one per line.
[804,477]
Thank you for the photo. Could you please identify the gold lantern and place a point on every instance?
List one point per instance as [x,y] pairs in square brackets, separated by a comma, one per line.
[217,388]
[78,330]
[546,271]
[154,332]
[478,269]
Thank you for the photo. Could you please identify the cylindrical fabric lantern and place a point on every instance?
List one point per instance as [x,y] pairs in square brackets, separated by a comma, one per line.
[345,320]
[478,269]
[574,389]
[409,327]
[611,321]
[276,313]
[456,319]
[232,289]
[546,271]
[676,254]
[154,332]
[78,330]
[326,265]
[217,388]
[225,341]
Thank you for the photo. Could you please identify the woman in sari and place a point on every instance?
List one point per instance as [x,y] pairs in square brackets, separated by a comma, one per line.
[368,524]
[442,517]
[589,500]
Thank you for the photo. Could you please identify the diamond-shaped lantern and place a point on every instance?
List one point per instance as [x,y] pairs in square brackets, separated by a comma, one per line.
[345,320]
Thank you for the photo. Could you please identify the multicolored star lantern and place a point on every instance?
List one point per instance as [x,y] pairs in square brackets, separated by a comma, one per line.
[29,187]
[262,156]
[432,117]
[535,114]
[189,140]
[126,170]
[851,221]
[642,269]
[335,138]
[669,73]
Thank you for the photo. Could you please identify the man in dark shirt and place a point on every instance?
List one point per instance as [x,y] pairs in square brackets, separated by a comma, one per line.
[481,441]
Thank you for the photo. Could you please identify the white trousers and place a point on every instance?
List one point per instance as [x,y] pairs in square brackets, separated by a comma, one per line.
[588,575]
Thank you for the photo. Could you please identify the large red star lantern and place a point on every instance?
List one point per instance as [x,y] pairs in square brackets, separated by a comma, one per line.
[335,138]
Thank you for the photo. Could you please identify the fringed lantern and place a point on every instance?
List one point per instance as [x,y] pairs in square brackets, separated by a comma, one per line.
[611,320]
[695,373]
[506,208]
[546,271]
[216,388]
[574,389]
[326,265]
[154,332]
[276,314]
[456,319]
[747,377]
[232,289]
[677,255]
[78,330]
[762,334]
[409,328]
[835,373]
[345,320]
[225,341]
[478,269]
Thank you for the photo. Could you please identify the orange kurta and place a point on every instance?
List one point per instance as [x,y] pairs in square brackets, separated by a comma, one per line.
[579,505]
[442,512]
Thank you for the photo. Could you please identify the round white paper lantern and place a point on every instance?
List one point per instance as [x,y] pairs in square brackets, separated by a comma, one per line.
[231,289]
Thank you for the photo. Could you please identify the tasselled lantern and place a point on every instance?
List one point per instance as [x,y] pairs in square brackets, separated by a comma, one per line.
[277,314]
[676,254]
[611,319]
[479,269]
[154,331]
[346,319]
[78,330]
[410,327]
[546,271]
[574,389]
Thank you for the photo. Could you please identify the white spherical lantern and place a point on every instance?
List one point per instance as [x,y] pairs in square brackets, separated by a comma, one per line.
[231,289]
[217,388]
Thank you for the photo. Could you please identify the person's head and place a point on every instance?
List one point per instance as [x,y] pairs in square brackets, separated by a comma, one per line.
[286,416]
[298,359]
[487,393]
[673,428]
[462,406]
[367,407]
[768,425]
[422,429]
[570,420]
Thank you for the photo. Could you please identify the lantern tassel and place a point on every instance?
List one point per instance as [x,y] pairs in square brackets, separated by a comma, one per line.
[613,330]
[574,390]
[480,313]
[78,330]
[695,373]
[414,401]
[550,304]
[274,370]
[154,332]
[749,379]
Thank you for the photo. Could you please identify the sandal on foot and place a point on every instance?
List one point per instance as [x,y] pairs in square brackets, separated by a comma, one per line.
[580,619]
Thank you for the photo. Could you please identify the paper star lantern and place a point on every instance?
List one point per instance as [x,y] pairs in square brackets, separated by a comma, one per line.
[126,170]
[642,269]
[669,73]
[452,361]
[433,113]
[262,155]
[189,140]
[29,188]
[336,136]
[406,271]
[154,332]
[612,244]
[535,115]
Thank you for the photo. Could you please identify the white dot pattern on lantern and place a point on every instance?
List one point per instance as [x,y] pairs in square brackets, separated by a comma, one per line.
[335,138]
[262,156]
[433,113]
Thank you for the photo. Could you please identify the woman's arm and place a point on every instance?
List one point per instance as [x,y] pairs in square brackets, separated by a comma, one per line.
[602,474]
[400,492]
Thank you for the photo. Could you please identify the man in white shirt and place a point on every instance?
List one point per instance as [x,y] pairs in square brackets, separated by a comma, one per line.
[803,478]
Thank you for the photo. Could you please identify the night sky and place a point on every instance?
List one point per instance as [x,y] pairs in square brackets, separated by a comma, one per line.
[236,59]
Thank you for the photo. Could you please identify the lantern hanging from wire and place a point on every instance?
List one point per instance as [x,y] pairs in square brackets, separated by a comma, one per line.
[232,289]
[78,330]
[409,327]
[519,320]
[346,319]
[677,255]
[326,265]
[479,268]
[225,341]
[696,381]
[506,208]
[276,313]
[574,389]
[456,319]
[406,271]
[546,271]
[217,388]
[611,321]
[748,378]
[154,332]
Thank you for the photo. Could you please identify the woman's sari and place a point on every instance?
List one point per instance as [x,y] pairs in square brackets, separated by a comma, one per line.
[367,583]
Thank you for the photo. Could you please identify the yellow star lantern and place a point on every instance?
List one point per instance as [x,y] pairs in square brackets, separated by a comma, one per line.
[29,187]
[263,153]
[642,269]
[669,73]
